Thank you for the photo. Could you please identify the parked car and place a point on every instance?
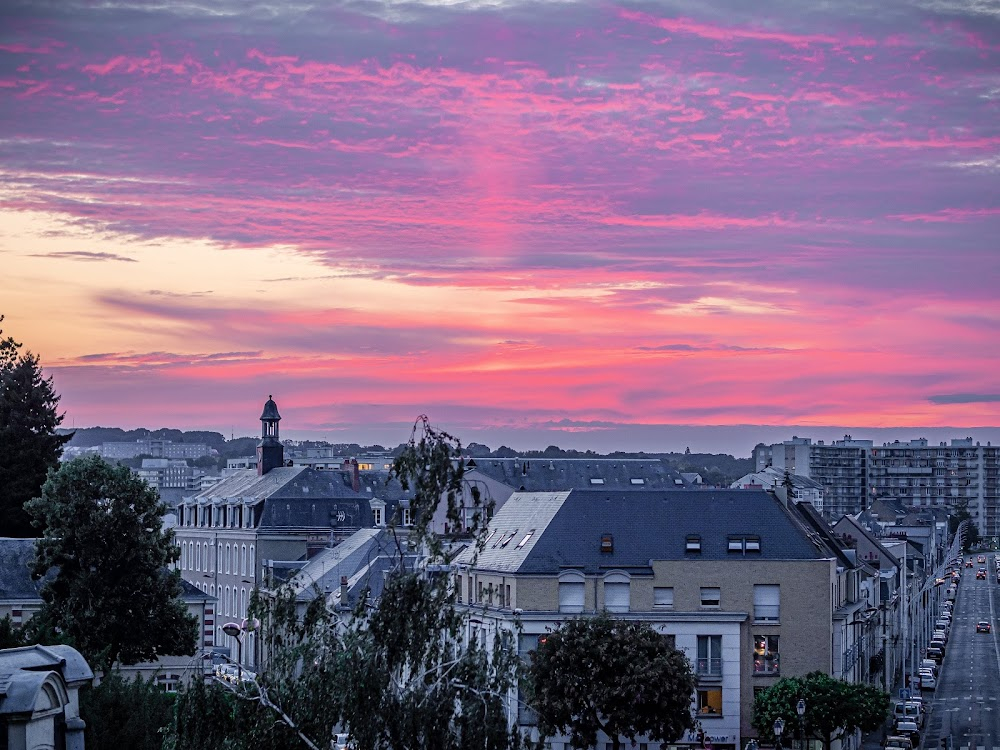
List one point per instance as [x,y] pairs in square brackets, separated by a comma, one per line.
[906,711]
[936,654]
[927,680]
[898,742]
[982,627]
[908,729]
[228,673]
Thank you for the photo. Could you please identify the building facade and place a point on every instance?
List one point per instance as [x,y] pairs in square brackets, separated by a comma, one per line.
[736,578]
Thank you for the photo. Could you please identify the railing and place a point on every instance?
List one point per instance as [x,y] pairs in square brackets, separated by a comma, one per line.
[709,667]
[766,664]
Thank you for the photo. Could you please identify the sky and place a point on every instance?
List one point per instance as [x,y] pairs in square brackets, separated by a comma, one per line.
[605,225]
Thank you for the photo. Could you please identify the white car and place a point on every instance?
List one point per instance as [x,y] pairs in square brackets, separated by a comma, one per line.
[927,680]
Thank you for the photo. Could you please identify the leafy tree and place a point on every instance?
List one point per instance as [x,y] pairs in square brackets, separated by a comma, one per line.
[10,634]
[29,443]
[396,673]
[598,674]
[834,708]
[124,713]
[112,593]
[961,513]
[205,716]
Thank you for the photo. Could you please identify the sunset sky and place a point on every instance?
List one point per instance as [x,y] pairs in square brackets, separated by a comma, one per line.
[570,223]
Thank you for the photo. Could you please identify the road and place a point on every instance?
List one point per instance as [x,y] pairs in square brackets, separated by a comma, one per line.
[966,704]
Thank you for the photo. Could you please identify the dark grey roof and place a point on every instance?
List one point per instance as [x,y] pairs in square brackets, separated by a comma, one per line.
[568,527]
[553,475]
[270,410]
[190,592]
[16,556]
[822,533]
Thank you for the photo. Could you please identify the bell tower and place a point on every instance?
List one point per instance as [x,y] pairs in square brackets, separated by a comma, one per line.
[270,451]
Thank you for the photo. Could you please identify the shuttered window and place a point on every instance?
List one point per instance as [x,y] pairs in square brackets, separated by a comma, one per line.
[766,603]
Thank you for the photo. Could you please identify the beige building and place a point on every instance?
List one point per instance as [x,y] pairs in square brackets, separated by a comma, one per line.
[747,587]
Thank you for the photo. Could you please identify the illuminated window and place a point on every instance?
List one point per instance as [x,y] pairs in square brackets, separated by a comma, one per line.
[765,654]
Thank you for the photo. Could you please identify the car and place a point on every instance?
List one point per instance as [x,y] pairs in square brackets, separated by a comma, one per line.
[929,664]
[898,742]
[228,673]
[981,558]
[907,711]
[927,680]
[981,573]
[936,654]
[908,729]
[968,563]
[982,627]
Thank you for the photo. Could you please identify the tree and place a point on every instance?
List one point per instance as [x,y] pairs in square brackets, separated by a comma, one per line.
[961,513]
[112,594]
[619,677]
[834,708]
[124,713]
[396,672]
[29,445]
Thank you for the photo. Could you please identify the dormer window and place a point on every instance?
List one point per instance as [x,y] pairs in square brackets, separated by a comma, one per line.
[597,480]
[735,544]
[637,480]
[693,544]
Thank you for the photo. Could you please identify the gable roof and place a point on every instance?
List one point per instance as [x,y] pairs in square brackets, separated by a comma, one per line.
[861,530]
[644,525]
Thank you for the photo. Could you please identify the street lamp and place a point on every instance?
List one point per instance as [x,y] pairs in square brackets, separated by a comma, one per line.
[800,709]
[779,727]
[236,630]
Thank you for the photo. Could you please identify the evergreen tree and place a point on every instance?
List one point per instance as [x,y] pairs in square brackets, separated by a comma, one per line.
[124,713]
[112,594]
[29,445]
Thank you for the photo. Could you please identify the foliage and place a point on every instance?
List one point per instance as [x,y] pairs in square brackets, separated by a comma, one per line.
[124,713]
[205,716]
[11,636]
[834,708]
[29,444]
[396,671]
[112,593]
[619,677]
[961,513]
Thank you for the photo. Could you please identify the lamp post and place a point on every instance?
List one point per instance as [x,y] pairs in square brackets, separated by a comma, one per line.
[236,630]
[800,709]
[779,727]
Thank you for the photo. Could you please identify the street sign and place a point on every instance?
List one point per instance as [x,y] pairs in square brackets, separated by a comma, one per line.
[905,693]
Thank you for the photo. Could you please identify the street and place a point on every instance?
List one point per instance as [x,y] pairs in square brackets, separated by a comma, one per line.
[965,706]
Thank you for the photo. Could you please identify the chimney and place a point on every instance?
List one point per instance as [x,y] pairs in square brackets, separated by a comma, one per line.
[343,591]
[355,476]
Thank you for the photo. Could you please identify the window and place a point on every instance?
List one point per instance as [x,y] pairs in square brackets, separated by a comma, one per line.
[663,596]
[407,518]
[693,544]
[377,516]
[571,592]
[744,544]
[227,558]
[225,603]
[766,603]
[616,592]
[735,544]
[253,563]
[709,662]
[524,541]
[709,702]
[219,565]
[243,561]
[597,481]
[711,596]
[765,654]
[635,480]
[204,557]
[236,560]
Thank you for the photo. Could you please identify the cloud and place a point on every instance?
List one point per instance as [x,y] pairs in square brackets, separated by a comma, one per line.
[85,255]
[964,398]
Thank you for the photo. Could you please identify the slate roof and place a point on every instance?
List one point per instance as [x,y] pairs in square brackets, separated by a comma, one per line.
[553,475]
[325,568]
[645,525]
[16,584]
[297,496]
[861,530]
